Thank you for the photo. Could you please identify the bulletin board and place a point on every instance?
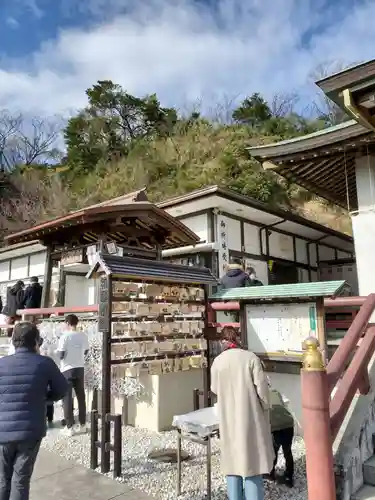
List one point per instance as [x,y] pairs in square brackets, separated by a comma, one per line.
[280,328]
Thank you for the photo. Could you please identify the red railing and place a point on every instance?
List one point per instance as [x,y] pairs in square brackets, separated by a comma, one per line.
[348,309]
[45,312]
[347,370]
[323,415]
[57,311]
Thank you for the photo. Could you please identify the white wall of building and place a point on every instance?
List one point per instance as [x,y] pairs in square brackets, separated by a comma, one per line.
[251,237]
[79,291]
[301,251]
[76,291]
[298,250]
[37,264]
[242,237]
[198,224]
[4,270]
[281,246]
[312,250]
[19,268]
[234,234]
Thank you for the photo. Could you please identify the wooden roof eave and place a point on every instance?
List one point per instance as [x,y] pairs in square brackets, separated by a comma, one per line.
[301,145]
[96,214]
[321,162]
[309,186]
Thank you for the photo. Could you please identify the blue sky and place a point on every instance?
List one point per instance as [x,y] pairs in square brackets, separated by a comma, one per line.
[188,52]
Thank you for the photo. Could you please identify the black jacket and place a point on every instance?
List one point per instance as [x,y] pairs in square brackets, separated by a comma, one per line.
[235,278]
[14,302]
[1,305]
[33,296]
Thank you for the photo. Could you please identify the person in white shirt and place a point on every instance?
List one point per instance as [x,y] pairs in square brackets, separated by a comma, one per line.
[72,347]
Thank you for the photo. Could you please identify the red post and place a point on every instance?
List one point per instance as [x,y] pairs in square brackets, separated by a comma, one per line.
[211,315]
[316,425]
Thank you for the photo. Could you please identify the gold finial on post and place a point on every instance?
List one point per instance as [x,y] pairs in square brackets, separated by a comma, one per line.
[312,357]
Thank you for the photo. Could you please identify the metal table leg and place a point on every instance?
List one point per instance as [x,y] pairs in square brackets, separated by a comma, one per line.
[179,446]
[208,468]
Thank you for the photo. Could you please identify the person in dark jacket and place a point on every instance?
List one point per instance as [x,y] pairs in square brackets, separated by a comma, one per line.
[235,276]
[14,301]
[253,280]
[1,305]
[33,294]
[282,427]
[26,378]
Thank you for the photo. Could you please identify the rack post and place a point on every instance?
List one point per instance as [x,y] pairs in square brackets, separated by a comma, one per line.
[207,371]
[94,440]
[105,312]
[117,446]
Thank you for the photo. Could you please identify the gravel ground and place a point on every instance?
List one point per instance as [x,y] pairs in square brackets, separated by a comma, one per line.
[159,480]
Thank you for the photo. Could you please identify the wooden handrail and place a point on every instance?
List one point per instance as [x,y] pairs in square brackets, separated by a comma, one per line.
[45,311]
[344,301]
[226,306]
[348,344]
[222,325]
[333,303]
[355,378]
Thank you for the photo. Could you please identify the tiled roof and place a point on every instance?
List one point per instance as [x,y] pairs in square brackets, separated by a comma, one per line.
[156,271]
[277,292]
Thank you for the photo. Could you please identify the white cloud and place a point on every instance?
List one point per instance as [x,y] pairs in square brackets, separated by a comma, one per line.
[184,52]
[32,6]
[12,22]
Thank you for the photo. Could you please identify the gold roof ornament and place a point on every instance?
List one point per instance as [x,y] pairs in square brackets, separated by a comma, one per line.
[312,357]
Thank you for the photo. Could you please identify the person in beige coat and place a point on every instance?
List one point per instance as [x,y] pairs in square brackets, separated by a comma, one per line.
[243,402]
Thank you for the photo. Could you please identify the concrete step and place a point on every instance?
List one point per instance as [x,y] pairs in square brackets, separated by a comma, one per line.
[369,471]
[367,492]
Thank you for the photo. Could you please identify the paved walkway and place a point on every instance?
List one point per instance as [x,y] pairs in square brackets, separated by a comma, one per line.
[57,479]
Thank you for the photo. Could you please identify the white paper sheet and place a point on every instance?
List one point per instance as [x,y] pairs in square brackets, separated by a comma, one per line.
[202,422]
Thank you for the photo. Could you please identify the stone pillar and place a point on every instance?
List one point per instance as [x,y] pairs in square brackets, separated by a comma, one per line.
[363,222]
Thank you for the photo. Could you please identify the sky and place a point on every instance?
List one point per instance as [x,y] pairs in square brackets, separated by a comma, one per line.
[188,52]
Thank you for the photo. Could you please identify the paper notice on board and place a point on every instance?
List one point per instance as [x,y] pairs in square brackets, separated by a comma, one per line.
[278,327]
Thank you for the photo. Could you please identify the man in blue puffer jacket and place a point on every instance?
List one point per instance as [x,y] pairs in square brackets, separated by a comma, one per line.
[25,378]
[235,276]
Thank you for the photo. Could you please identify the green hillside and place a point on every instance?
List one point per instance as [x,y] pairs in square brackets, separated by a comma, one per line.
[120,143]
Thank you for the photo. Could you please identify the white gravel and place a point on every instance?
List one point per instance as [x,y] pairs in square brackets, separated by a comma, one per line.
[158,479]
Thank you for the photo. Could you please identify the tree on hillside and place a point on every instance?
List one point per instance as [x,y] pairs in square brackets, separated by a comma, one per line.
[29,197]
[283,104]
[26,141]
[279,119]
[254,111]
[327,110]
[105,129]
